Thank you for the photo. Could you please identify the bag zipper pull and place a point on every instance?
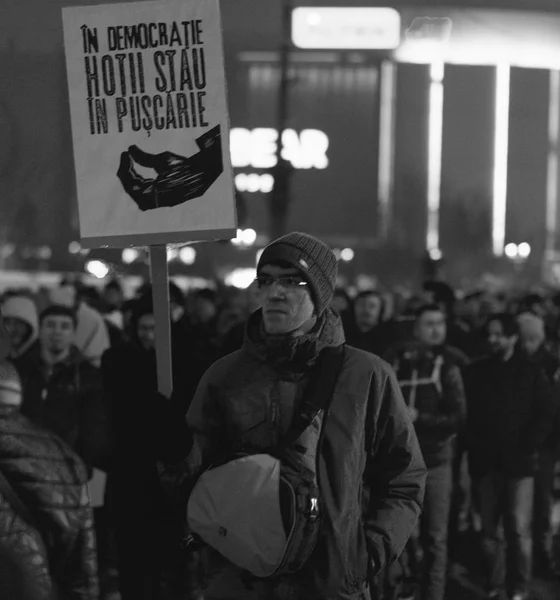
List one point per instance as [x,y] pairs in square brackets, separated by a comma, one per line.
[314,510]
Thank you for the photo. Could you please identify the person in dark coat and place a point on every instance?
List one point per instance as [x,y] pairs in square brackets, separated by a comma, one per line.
[533,343]
[365,331]
[250,398]
[62,391]
[52,546]
[510,410]
[147,428]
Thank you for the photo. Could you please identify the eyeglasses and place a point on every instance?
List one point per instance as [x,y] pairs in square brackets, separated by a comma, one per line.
[288,282]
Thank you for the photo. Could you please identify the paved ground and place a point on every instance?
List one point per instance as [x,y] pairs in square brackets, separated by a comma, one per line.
[465,581]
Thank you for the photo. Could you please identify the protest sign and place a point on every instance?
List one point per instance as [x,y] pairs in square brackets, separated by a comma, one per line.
[149,122]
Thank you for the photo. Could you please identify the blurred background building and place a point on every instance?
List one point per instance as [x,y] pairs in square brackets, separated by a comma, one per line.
[413,136]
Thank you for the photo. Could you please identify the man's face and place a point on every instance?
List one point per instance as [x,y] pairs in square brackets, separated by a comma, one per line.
[205,310]
[500,343]
[530,342]
[57,333]
[113,298]
[147,331]
[367,311]
[19,331]
[287,306]
[431,328]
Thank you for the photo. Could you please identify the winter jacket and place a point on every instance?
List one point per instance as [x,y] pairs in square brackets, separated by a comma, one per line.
[431,380]
[547,357]
[69,403]
[250,397]
[24,309]
[51,482]
[509,415]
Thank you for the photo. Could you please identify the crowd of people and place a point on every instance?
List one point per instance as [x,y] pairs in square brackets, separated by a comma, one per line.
[444,422]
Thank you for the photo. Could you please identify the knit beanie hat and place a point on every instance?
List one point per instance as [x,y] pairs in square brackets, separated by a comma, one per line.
[10,385]
[314,260]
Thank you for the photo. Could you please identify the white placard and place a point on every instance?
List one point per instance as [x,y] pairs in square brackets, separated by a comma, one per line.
[149,122]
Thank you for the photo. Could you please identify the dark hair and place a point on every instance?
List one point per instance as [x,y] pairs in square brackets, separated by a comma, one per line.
[114,284]
[58,310]
[206,294]
[176,294]
[140,307]
[425,308]
[367,294]
[442,293]
[508,322]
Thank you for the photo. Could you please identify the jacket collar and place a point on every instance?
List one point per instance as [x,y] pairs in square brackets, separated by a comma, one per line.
[292,354]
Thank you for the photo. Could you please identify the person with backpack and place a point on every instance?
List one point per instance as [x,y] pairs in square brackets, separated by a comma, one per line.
[309,476]
[430,378]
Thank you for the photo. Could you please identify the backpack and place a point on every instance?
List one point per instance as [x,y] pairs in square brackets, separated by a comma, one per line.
[414,382]
[262,511]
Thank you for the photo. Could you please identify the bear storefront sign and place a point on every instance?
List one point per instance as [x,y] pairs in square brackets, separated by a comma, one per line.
[150,123]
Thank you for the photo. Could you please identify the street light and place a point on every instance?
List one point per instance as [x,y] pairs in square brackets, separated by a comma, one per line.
[511,251]
[524,250]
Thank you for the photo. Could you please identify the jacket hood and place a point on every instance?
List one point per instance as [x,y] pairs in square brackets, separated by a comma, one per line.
[24,309]
[293,354]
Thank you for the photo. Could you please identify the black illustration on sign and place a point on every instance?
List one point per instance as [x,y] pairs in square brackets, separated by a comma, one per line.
[179,178]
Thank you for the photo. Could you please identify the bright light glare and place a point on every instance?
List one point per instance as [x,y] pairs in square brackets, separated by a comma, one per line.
[434,154]
[347,254]
[44,253]
[97,268]
[499,200]
[524,250]
[249,236]
[511,250]
[435,254]
[74,247]
[257,148]
[245,237]
[552,166]
[346,27]
[314,19]
[172,254]
[386,146]
[187,255]
[129,255]
[241,278]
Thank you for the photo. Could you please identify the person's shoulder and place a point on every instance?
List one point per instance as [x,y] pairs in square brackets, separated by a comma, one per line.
[456,357]
[42,447]
[361,359]
[225,365]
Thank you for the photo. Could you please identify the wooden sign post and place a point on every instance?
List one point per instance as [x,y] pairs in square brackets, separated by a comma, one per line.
[150,132]
[160,295]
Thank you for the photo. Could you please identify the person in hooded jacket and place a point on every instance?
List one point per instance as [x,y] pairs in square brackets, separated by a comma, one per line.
[62,391]
[49,546]
[250,397]
[22,323]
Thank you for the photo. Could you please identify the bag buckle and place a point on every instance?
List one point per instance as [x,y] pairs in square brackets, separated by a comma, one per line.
[314,509]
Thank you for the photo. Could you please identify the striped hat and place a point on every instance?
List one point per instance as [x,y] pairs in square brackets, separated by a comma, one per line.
[10,385]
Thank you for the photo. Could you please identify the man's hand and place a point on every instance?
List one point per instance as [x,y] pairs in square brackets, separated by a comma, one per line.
[178,178]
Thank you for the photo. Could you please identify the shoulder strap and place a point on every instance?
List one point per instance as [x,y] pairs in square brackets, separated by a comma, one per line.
[318,394]
[15,502]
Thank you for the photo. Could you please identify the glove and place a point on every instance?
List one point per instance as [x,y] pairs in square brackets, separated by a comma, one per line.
[178,180]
